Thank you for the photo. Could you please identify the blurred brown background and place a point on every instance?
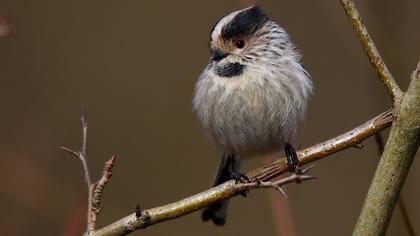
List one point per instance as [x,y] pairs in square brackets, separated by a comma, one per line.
[134,65]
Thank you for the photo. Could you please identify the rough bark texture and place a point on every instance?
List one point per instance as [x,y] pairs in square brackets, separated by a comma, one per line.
[394,165]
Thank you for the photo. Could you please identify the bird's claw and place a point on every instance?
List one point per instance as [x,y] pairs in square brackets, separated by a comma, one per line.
[241,178]
[292,158]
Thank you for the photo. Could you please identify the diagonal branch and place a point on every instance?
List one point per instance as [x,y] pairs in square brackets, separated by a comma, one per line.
[375,58]
[145,218]
[392,170]
[401,203]
[352,138]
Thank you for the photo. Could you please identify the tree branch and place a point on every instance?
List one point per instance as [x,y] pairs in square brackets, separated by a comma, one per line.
[401,204]
[392,170]
[145,218]
[97,191]
[375,58]
[402,143]
[82,155]
[297,177]
[94,189]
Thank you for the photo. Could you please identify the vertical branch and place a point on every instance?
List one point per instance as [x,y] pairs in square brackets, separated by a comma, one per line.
[83,120]
[94,189]
[83,158]
[374,57]
[82,155]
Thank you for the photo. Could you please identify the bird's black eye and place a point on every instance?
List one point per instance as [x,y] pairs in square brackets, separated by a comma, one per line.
[239,43]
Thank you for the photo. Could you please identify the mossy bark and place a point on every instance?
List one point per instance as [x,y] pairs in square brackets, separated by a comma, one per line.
[394,165]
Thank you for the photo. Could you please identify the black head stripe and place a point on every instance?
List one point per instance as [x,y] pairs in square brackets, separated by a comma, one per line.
[244,24]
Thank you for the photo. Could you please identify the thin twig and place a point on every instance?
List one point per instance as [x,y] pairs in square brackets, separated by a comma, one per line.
[82,155]
[98,188]
[297,177]
[375,58]
[83,120]
[229,189]
[401,204]
[94,190]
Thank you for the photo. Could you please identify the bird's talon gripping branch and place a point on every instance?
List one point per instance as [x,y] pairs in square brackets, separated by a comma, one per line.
[292,158]
[240,178]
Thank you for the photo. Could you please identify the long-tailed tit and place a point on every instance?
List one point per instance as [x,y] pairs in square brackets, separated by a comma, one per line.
[252,96]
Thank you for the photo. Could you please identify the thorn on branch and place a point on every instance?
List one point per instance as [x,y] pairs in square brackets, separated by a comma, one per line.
[298,177]
[72,152]
[229,189]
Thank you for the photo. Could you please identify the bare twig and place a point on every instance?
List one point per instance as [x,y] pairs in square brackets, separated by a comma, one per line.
[229,189]
[375,58]
[83,159]
[98,188]
[296,177]
[94,190]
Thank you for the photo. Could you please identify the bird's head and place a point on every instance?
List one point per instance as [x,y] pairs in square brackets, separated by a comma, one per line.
[243,38]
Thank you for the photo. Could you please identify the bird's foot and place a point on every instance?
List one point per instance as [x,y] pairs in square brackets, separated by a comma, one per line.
[292,159]
[241,178]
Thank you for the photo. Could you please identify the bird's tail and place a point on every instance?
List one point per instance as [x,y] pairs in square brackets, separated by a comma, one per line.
[217,212]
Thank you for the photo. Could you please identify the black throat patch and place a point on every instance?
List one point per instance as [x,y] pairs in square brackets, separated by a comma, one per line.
[229,70]
[244,24]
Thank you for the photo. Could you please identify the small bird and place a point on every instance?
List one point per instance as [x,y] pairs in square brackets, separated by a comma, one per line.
[252,96]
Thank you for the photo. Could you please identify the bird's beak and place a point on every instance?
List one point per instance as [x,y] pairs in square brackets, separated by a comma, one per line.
[217,55]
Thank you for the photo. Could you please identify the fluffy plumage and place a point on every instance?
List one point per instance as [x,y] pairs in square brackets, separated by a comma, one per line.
[252,96]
